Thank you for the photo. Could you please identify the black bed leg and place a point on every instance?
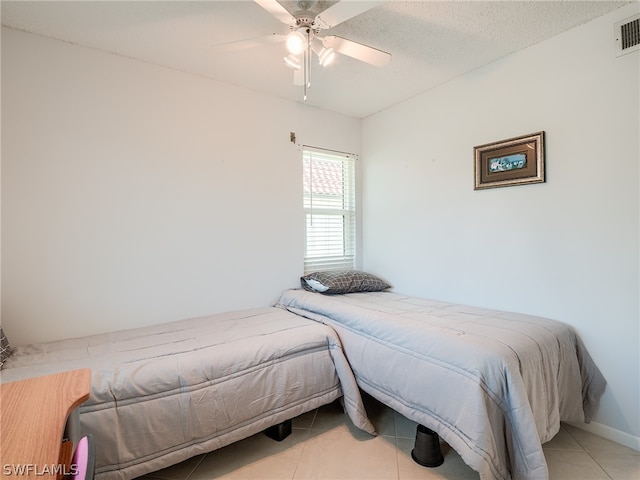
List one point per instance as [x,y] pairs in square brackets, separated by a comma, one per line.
[426,451]
[280,431]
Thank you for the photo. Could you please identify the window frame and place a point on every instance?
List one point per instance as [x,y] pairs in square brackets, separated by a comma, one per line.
[329,205]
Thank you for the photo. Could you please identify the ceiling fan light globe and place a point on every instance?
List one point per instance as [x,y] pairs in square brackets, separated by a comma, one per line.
[326,56]
[296,43]
[292,62]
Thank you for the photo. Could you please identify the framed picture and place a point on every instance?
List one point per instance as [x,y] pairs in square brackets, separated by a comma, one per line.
[515,161]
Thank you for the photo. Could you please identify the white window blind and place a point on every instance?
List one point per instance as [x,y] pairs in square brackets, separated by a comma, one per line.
[330,209]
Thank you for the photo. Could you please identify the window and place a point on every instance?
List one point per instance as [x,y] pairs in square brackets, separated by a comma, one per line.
[330,210]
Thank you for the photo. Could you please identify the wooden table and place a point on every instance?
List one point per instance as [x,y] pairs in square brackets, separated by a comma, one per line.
[33,415]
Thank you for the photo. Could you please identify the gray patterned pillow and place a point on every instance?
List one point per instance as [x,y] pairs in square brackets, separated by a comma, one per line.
[348,281]
[5,350]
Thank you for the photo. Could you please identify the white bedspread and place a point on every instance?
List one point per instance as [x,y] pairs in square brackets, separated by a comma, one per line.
[165,393]
[494,385]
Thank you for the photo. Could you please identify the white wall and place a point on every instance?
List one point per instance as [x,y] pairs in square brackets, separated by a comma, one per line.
[133,194]
[567,249]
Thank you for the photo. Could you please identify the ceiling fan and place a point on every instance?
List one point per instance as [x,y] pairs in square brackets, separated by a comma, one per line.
[303,40]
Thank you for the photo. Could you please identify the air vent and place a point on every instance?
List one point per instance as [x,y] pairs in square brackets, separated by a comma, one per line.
[627,35]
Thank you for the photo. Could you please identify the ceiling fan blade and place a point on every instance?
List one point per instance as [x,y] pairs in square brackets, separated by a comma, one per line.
[277,10]
[342,11]
[249,43]
[356,50]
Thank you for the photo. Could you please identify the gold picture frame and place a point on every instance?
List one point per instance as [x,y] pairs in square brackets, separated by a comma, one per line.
[516,161]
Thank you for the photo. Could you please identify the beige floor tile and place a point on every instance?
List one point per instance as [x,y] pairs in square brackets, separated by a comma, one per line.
[565,465]
[563,441]
[305,420]
[596,444]
[179,471]
[619,467]
[255,458]
[338,454]
[331,416]
[453,467]
[325,445]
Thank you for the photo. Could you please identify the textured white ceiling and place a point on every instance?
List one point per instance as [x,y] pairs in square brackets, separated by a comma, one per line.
[431,42]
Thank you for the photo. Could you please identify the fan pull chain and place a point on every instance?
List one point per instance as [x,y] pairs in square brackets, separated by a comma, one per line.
[307,65]
[311,187]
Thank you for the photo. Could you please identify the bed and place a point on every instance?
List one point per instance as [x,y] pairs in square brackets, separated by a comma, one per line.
[164,393]
[494,385]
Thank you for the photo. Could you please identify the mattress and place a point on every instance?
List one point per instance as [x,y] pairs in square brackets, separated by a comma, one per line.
[494,385]
[164,393]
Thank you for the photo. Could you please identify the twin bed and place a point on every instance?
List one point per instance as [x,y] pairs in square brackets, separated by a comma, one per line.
[494,385]
[165,393]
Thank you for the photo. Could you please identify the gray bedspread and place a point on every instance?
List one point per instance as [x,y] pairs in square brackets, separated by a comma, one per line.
[164,393]
[494,385]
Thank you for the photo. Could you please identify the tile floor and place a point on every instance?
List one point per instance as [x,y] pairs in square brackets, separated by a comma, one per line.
[325,446]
